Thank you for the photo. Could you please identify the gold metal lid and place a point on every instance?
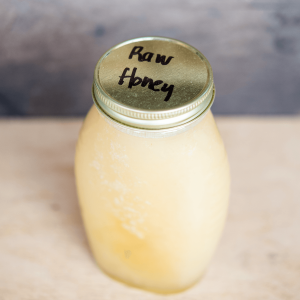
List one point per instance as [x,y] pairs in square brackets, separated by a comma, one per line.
[153,83]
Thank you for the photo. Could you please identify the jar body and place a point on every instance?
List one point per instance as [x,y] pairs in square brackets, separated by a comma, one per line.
[153,209]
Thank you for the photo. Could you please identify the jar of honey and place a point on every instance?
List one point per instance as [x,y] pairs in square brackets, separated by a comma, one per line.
[151,169]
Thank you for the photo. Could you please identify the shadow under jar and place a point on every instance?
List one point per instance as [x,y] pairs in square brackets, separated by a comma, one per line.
[151,169]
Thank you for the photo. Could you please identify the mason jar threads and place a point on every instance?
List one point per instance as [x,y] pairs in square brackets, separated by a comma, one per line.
[151,169]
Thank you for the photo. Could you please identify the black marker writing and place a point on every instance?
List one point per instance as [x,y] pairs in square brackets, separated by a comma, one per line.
[162,59]
[169,89]
[151,84]
[135,80]
[148,56]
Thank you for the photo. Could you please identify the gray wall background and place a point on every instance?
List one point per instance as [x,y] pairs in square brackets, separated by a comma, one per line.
[49,48]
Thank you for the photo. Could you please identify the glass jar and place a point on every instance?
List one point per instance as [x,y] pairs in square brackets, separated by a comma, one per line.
[151,169]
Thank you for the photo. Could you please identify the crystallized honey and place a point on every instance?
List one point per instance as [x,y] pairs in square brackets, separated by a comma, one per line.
[152,177]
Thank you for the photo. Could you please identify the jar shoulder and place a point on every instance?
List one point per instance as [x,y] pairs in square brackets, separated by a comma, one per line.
[96,127]
[200,149]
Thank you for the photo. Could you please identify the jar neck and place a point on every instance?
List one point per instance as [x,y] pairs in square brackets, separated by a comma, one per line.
[152,133]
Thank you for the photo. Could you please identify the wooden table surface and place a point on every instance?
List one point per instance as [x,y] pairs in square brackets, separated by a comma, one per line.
[43,248]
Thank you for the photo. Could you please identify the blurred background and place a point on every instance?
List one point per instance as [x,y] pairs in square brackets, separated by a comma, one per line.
[49,48]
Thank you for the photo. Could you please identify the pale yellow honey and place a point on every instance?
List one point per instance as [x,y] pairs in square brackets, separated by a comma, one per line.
[153,208]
